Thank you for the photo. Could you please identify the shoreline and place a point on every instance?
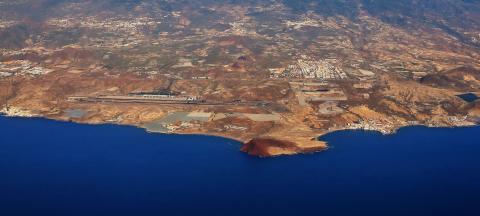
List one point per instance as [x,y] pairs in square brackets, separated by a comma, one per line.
[242,143]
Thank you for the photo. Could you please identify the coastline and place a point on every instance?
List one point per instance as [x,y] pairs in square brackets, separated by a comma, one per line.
[36,116]
[258,151]
[124,155]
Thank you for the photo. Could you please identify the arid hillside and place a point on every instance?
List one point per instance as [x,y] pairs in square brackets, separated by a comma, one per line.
[274,74]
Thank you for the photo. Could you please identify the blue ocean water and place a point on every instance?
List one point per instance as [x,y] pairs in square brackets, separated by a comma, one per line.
[59,168]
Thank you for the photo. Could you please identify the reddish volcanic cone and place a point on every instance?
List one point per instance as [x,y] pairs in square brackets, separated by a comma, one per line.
[264,147]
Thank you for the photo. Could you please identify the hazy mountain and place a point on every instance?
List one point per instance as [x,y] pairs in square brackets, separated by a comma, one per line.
[453,16]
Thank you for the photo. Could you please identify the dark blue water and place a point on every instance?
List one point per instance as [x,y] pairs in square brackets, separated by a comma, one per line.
[55,168]
[468,97]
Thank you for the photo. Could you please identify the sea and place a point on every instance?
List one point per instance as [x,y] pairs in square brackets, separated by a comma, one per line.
[61,168]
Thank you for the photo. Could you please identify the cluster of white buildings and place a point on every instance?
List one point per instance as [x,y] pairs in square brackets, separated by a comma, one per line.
[21,67]
[382,127]
[311,69]
[110,24]
[305,21]
[5,24]
[16,112]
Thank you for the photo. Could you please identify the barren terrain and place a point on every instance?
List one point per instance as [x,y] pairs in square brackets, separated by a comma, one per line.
[272,76]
